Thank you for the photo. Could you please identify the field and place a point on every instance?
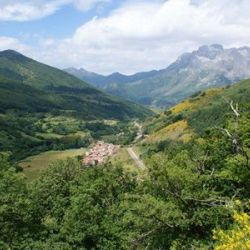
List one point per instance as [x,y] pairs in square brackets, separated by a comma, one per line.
[123,158]
[35,164]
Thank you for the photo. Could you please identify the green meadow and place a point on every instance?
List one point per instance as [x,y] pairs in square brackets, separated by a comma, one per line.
[33,165]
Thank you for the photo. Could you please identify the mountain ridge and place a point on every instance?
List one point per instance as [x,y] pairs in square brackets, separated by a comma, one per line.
[102,81]
[208,66]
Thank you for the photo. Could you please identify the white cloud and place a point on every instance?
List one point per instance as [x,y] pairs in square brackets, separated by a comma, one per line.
[26,10]
[12,43]
[142,34]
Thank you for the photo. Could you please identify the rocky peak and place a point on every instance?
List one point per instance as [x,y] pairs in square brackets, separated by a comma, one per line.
[209,51]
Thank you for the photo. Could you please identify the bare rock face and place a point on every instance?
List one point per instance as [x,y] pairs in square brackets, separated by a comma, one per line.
[233,64]
[209,66]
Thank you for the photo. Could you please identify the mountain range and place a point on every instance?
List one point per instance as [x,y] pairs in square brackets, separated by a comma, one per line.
[209,66]
[102,81]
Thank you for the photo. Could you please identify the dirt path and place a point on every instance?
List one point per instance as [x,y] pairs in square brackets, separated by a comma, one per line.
[137,160]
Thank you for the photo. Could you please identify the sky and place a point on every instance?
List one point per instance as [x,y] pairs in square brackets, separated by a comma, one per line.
[126,36]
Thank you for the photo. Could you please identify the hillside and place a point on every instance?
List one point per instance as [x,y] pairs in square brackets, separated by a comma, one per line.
[197,157]
[203,110]
[33,95]
[69,92]
[16,66]
[209,66]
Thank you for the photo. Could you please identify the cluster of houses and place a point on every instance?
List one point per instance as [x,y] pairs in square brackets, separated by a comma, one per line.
[100,153]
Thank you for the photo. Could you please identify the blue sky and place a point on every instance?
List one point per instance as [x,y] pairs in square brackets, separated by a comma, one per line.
[60,24]
[53,25]
[120,35]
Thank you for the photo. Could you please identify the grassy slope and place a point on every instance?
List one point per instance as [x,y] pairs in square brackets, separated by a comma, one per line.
[15,66]
[123,158]
[196,114]
[17,96]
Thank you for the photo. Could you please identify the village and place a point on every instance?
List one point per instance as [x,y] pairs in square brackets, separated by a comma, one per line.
[99,153]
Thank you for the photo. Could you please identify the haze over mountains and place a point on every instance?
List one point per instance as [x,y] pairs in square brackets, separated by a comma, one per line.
[102,81]
[209,66]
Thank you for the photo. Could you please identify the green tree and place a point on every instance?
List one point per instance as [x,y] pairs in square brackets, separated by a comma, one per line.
[94,220]
[15,220]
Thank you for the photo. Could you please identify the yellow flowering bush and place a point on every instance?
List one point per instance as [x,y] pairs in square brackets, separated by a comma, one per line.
[175,131]
[181,107]
[238,238]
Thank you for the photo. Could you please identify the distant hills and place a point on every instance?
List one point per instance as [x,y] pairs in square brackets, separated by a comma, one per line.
[103,82]
[209,66]
[28,84]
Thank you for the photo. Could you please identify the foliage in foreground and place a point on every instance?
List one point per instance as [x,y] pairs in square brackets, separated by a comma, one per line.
[187,193]
[184,197]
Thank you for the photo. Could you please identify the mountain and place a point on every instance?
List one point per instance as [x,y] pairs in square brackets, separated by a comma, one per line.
[43,108]
[207,67]
[65,91]
[16,66]
[104,82]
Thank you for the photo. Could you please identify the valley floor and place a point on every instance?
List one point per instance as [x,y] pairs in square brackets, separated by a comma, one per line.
[128,156]
[33,165]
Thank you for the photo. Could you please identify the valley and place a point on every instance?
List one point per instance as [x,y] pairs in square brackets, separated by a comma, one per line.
[54,111]
[93,153]
[81,169]
[124,125]
[46,114]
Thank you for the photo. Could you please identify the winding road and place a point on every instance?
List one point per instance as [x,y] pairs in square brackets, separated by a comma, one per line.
[131,151]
